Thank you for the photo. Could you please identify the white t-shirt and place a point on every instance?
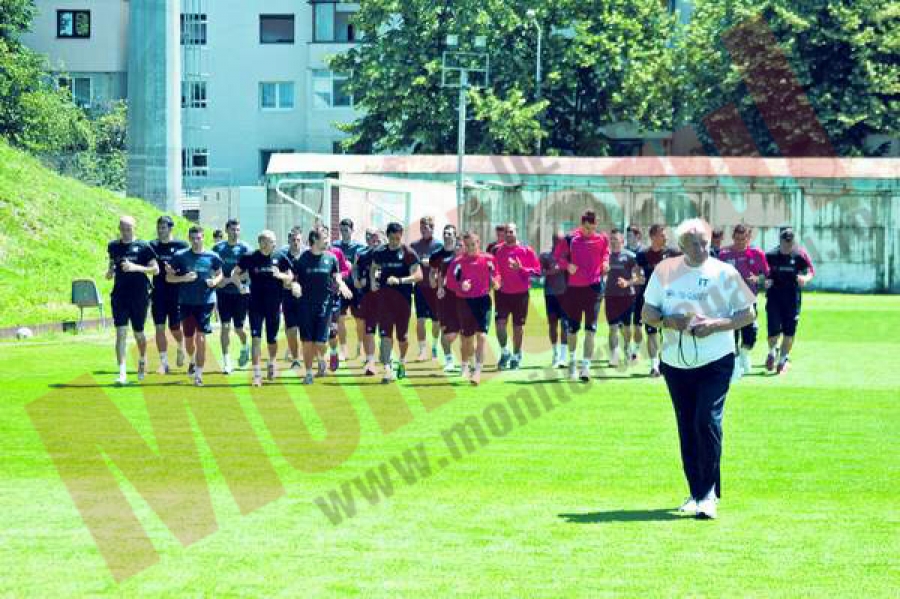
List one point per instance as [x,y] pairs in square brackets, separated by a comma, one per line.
[714,289]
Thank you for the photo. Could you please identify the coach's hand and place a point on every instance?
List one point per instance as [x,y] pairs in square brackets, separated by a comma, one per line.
[679,322]
[296,290]
[393,281]
[572,269]
[704,327]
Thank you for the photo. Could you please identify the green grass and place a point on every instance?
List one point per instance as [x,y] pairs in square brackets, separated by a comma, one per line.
[572,504]
[40,249]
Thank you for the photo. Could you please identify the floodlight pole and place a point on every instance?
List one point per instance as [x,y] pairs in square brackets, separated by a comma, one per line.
[461,146]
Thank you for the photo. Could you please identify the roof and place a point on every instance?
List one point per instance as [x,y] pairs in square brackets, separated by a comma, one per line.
[630,166]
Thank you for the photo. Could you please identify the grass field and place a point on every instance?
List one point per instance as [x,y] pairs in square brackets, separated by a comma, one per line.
[574,503]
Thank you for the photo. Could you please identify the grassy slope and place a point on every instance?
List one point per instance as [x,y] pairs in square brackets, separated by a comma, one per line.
[571,505]
[54,229]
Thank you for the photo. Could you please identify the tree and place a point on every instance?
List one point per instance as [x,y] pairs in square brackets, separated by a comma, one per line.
[616,66]
[842,56]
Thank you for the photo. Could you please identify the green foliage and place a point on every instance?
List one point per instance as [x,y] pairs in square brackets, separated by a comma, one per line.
[618,67]
[843,54]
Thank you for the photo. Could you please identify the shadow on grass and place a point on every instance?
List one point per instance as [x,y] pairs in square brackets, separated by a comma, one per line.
[624,516]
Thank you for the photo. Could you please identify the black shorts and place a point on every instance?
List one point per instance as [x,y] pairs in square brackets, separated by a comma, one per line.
[474,314]
[448,313]
[619,309]
[636,318]
[394,311]
[368,311]
[265,311]
[783,314]
[426,302]
[130,307]
[164,307]
[581,304]
[196,318]
[315,322]
[291,308]
[233,308]
[512,303]
[551,305]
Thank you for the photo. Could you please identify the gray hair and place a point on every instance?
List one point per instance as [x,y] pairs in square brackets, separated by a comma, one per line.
[693,226]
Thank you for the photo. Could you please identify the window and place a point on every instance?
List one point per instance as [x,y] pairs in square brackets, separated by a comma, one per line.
[193,94]
[73,24]
[194,162]
[276,29]
[193,29]
[79,88]
[276,95]
[331,22]
[266,155]
[330,90]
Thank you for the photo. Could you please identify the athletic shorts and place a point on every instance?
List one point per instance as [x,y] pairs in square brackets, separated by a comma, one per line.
[448,313]
[347,304]
[233,308]
[512,303]
[783,314]
[552,306]
[368,310]
[315,322]
[130,308]
[426,301]
[636,318]
[164,307]
[196,318]
[474,314]
[291,308]
[394,311]
[266,311]
[620,309]
[580,304]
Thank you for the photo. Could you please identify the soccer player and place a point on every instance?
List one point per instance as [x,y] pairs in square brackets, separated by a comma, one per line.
[516,264]
[396,269]
[448,317]
[634,243]
[788,273]
[290,305]
[130,261]
[350,248]
[233,295]
[266,283]
[554,288]
[197,273]
[316,274]
[164,299]
[647,259]
[367,297]
[584,254]
[218,236]
[715,244]
[426,300]
[472,276]
[335,356]
[621,279]
[751,263]
[500,232]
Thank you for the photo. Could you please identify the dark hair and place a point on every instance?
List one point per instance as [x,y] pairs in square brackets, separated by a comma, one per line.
[195,229]
[615,232]
[232,222]
[718,232]
[427,220]
[588,216]
[740,229]
[656,228]
[450,227]
[315,234]
[470,234]
[394,228]
[634,229]
[218,233]
[298,230]
[500,228]
[347,222]
[166,220]
[787,234]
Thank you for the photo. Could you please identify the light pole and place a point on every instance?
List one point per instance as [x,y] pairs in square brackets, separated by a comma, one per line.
[532,14]
[456,62]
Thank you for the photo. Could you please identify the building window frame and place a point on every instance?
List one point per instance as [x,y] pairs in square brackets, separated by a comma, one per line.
[263,18]
[194,94]
[71,83]
[78,25]
[193,29]
[331,22]
[199,162]
[323,100]
[278,96]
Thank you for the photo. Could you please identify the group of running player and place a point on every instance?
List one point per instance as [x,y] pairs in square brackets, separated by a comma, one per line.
[316,285]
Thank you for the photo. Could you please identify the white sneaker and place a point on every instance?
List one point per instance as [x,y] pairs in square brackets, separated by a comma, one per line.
[689,506]
[121,380]
[738,371]
[226,366]
[449,367]
[745,362]
[179,358]
[475,378]
[707,509]
[142,370]
[614,360]
[586,372]
[573,372]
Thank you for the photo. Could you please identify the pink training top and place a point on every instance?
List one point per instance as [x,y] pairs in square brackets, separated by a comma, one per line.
[479,269]
[589,254]
[512,280]
[749,263]
[342,261]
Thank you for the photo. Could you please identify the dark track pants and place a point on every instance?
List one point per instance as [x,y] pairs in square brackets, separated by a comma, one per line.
[698,396]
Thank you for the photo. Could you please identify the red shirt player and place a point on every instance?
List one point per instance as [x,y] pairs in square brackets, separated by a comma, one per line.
[516,263]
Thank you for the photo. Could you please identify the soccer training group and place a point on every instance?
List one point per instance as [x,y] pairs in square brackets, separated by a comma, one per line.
[317,285]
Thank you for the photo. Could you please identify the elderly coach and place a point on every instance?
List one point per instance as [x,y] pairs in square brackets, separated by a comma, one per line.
[698,302]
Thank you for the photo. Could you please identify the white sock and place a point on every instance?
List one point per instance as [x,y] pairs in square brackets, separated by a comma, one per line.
[773,351]
[198,372]
[164,358]
[637,348]
[123,370]
[504,352]
[477,366]
[257,372]
[654,362]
